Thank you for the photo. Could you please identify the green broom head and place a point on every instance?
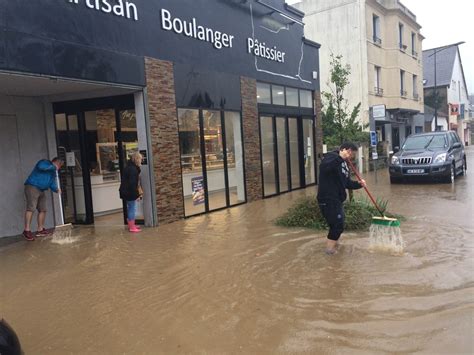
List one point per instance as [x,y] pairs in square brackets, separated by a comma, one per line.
[386,221]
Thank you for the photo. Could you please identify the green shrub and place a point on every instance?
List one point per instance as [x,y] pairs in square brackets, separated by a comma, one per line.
[306,213]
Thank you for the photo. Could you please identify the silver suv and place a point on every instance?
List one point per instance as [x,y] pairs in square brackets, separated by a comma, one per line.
[437,155]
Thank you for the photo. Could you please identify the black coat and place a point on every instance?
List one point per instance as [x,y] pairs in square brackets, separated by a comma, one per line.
[334,178]
[130,181]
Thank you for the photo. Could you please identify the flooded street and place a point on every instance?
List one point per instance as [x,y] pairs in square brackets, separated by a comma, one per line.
[233,282]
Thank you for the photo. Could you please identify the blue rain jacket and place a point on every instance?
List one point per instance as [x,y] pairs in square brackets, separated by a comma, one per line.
[43,176]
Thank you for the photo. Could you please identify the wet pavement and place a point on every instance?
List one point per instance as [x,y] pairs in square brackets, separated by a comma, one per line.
[233,282]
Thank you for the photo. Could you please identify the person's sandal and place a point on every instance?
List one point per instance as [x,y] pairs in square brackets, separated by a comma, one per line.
[42,233]
[29,236]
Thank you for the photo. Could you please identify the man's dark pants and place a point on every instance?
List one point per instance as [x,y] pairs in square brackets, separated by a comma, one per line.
[333,213]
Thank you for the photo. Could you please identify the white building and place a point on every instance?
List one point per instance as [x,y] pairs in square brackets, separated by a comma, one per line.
[381,41]
[451,89]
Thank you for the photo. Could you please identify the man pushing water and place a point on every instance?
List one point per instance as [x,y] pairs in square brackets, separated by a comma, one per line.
[42,178]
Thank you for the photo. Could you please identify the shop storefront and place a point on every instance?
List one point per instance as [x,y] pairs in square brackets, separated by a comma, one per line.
[219,96]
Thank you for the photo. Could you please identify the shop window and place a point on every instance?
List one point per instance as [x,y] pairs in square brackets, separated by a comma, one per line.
[306,98]
[309,161]
[282,146]
[235,159]
[291,97]
[268,157]
[214,180]
[214,148]
[263,93]
[278,95]
[191,161]
[294,152]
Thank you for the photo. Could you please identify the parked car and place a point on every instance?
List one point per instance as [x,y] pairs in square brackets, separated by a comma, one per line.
[435,155]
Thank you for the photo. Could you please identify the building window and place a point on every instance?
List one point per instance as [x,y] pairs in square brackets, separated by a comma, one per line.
[402,83]
[283,96]
[376,29]
[413,45]
[400,37]
[211,159]
[306,98]
[278,95]
[415,87]
[418,129]
[292,97]
[378,89]
[263,93]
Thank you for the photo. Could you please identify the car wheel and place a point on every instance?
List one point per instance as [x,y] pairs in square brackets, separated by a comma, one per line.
[464,167]
[394,180]
[449,179]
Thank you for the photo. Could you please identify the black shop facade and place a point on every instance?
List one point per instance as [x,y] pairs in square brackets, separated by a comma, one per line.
[219,96]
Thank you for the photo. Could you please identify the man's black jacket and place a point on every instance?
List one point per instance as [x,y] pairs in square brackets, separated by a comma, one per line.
[334,178]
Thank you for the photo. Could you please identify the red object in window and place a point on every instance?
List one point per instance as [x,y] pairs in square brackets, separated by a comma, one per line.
[454,109]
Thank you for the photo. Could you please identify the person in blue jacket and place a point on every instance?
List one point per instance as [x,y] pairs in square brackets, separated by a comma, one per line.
[42,178]
[334,179]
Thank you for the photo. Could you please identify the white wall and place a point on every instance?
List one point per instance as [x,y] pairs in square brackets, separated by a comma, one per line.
[23,137]
[339,26]
[457,94]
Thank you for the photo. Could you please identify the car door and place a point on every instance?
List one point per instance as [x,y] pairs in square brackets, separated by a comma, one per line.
[456,149]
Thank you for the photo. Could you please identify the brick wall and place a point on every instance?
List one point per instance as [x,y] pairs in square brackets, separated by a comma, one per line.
[164,139]
[253,169]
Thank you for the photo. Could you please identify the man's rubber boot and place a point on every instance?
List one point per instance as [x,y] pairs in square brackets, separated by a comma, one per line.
[132,228]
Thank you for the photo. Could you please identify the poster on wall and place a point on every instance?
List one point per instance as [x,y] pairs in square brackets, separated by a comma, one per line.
[197,186]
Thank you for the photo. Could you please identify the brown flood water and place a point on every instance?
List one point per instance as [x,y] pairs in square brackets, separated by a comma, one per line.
[232,282]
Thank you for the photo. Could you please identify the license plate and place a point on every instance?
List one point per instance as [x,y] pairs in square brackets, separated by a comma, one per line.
[415,171]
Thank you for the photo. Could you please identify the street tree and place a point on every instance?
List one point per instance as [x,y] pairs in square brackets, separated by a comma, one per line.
[340,124]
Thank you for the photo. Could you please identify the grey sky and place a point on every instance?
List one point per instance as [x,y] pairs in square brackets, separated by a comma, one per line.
[445,22]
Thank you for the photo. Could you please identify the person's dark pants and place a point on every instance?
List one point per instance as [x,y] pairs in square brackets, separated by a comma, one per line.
[333,213]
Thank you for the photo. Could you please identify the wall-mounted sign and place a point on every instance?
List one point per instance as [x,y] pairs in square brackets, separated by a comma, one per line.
[378,111]
[373,138]
[191,29]
[263,40]
[121,8]
[70,159]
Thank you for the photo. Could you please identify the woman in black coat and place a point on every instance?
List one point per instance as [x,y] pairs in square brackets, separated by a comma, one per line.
[130,190]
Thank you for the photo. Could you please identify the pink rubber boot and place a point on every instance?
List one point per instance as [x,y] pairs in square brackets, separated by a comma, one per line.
[132,227]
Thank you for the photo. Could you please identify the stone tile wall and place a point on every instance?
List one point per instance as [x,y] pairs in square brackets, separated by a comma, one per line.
[253,169]
[164,139]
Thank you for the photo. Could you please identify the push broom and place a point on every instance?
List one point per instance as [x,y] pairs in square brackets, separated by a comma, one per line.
[63,229]
[385,232]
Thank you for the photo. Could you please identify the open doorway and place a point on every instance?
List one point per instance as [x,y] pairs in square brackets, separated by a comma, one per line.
[95,137]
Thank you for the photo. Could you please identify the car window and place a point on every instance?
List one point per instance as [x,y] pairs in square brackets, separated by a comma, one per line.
[452,139]
[456,137]
[423,142]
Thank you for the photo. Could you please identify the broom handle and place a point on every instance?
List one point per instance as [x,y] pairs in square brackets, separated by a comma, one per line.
[365,188]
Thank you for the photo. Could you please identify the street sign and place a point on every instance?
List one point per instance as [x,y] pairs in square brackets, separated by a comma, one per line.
[373,138]
[375,155]
[378,111]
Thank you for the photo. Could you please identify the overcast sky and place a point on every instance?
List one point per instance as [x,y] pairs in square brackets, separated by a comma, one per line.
[445,22]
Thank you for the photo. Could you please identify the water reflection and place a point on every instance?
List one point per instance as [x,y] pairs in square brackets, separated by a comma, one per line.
[232,282]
